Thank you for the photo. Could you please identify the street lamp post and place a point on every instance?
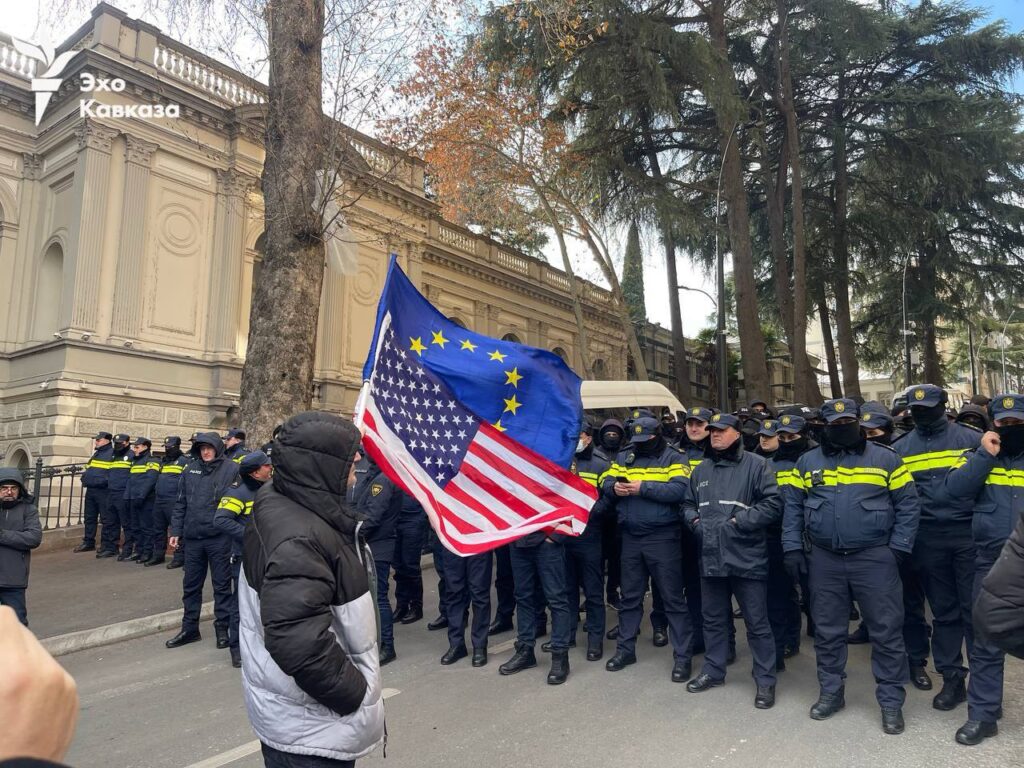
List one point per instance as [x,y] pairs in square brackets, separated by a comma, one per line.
[722,347]
[1002,347]
[906,332]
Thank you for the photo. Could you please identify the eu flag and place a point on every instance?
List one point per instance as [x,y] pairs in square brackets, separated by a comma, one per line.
[530,394]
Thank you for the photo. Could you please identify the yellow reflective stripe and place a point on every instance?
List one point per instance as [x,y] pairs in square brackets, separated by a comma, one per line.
[789,477]
[590,477]
[649,474]
[171,469]
[230,503]
[922,462]
[848,477]
[1003,476]
[248,508]
[694,463]
[899,478]
[960,462]
[143,468]
[238,459]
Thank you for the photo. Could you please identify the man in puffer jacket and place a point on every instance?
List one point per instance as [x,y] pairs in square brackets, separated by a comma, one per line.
[20,533]
[999,609]
[310,668]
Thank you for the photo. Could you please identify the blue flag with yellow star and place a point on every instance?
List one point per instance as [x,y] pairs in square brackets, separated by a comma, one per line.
[528,393]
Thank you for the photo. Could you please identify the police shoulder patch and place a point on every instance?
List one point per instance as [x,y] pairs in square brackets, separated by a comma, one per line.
[376,489]
[237,483]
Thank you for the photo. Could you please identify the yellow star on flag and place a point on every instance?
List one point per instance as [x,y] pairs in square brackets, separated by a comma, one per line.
[417,345]
[467,344]
[513,377]
[439,339]
[497,426]
[496,355]
[512,405]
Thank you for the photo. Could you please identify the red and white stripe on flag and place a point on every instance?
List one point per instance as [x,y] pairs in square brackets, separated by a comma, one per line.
[502,492]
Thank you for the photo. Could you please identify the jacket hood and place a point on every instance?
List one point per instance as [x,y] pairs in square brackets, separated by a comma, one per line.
[207,438]
[13,475]
[313,456]
[976,410]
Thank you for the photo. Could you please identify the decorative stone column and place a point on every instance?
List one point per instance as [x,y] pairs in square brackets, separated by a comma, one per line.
[92,177]
[332,323]
[127,310]
[226,264]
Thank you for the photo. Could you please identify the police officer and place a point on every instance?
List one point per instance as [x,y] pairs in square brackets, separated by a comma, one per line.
[694,445]
[467,580]
[975,417]
[783,600]
[117,508]
[583,553]
[203,483]
[139,495]
[609,443]
[233,513]
[992,475]
[648,482]
[878,428]
[944,551]
[411,536]
[94,480]
[378,499]
[853,519]
[234,445]
[174,461]
[768,439]
[731,499]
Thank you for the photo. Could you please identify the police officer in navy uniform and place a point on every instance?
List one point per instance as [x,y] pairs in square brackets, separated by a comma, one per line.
[850,520]
[648,482]
[234,445]
[878,428]
[94,480]
[609,443]
[117,507]
[467,581]
[411,536]
[944,551]
[139,495]
[993,477]
[768,438]
[171,467]
[731,500]
[232,516]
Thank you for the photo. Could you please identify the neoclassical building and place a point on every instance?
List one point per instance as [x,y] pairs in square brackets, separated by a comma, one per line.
[130,244]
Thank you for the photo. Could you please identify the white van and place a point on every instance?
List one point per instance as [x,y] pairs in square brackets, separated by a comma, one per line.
[613,399]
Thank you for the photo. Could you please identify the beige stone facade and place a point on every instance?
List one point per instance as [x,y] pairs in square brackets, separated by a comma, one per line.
[129,246]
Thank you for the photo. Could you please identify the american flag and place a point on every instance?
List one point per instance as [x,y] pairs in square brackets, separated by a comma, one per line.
[480,488]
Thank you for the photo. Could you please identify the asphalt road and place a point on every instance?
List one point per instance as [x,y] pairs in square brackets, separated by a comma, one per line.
[146,706]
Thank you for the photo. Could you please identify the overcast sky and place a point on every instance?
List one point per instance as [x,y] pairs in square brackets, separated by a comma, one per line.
[30,19]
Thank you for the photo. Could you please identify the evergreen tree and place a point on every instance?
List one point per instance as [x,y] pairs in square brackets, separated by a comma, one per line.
[633,276]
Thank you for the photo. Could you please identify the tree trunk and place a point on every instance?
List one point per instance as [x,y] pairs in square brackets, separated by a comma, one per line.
[277,379]
[841,248]
[806,390]
[830,348]
[574,291]
[774,186]
[752,351]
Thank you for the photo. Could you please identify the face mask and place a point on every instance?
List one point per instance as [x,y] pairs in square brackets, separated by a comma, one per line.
[650,447]
[580,446]
[1011,440]
[924,416]
[843,435]
[612,442]
[792,450]
[750,442]
[883,439]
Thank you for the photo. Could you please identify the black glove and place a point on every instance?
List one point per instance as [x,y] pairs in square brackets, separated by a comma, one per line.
[796,564]
[901,556]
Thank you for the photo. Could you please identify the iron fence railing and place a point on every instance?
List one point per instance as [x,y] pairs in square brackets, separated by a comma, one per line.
[58,493]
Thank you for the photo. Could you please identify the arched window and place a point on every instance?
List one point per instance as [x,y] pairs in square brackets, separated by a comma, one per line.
[562,354]
[458,322]
[18,459]
[49,284]
[511,337]
[600,370]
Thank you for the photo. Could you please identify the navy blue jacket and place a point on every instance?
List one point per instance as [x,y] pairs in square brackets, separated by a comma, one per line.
[235,510]
[379,502]
[142,478]
[98,467]
[656,510]
[735,498]
[851,500]
[995,487]
[170,477]
[929,453]
[593,466]
[202,486]
[120,467]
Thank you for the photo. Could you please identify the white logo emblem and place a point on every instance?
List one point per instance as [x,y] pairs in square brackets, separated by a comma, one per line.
[47,84]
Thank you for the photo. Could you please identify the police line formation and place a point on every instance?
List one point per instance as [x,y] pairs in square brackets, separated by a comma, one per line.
[845,512]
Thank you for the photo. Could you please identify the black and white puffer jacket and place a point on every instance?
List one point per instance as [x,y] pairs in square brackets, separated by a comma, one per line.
[308,620]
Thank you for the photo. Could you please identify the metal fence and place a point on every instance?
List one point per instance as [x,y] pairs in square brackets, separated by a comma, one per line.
[58,493]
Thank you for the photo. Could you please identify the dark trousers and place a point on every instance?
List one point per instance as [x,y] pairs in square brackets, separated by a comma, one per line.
[274,758]
[162,510]
[142,519]
[540,567]
[116,516]
[657,558]
[691,587]
[468,580]
[752,595]
[236,568]
[387,624]
[437,551]
[916,632]
[504,584]
[611,549]
[95,507]
[872,576]
[985,684]
[14,597]
[213,554]
[946,558]
[583,569]
[411,536]
[132,524]
[783,600]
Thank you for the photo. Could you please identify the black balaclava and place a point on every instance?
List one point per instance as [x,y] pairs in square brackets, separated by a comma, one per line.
[650,447]
[748,433]
[172,452]
[612,445]
[928,415]
[883,439]
[792,450]
[844,436]
[1011,439]
[817,430]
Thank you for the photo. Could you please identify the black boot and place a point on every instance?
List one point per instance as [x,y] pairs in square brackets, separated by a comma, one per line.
[974,732]
[154,560]
[953,693]
[681,671]
[703,682]
[559,668]
[83,547]
[522,659]
[920,678]
[184,638]
[620,661]
[414,614]
[453,654]
[387,654]
[660,638]
[828,704]
[126,554]
[892,721]
[222,635]
[175,563]
[613,633]
[500,625]
[479,657]
[765,698]
[104,554]
[595,648]
[441,622]
[400,612]
[236,657]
